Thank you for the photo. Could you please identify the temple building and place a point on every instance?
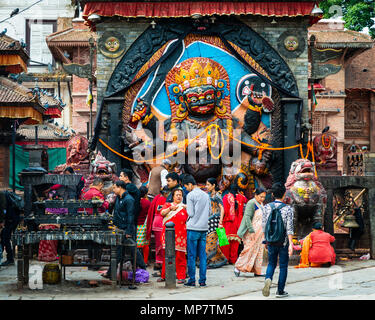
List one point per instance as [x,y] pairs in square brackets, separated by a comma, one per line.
[343,87]
[257,49]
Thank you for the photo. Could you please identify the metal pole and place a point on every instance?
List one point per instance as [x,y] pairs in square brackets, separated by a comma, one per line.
[14,155]
[170,256]
[36,135]
[91,42]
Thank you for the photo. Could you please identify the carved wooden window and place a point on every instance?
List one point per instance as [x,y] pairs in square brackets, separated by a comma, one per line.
[319,121]
[354,120]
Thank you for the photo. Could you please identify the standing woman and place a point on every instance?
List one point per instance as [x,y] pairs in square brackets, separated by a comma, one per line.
[215,258]
[234,203]
[176,212]
[251,233]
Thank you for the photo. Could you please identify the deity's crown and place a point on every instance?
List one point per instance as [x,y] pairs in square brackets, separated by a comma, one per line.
[197,75]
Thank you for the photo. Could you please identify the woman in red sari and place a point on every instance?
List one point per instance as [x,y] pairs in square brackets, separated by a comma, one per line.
[176,212]
[233,203]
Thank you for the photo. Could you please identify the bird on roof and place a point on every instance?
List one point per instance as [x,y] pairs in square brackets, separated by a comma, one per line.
[12,44]
[23,44]
[46,105]
[2,33]
[72,131]
[50,120]
[66,55]
[50,68]
[14,12]
[56,124]
[325,129]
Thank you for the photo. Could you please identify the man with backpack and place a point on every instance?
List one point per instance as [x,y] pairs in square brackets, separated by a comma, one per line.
[277,224]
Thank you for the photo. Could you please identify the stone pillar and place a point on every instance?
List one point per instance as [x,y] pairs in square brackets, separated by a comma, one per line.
[371,209]
[170,256]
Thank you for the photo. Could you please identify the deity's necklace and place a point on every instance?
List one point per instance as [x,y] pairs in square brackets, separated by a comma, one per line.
[329,143]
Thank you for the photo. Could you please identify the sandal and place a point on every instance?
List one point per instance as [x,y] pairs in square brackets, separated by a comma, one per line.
[160,280]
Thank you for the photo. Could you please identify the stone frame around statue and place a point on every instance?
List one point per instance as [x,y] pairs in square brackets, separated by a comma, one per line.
[284,125]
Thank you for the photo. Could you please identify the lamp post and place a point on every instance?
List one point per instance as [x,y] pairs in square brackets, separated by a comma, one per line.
[92,48]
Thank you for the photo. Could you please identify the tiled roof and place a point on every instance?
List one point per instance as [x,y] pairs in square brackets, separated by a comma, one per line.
[46,131]
[5,41]
[70,37]
[342,38]
[12,92]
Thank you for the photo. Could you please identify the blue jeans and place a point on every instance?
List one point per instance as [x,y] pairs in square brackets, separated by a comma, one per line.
[196,246]
[282,253]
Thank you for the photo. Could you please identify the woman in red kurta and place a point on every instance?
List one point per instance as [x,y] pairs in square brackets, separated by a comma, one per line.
[176,212]
[233,203]
[321,251]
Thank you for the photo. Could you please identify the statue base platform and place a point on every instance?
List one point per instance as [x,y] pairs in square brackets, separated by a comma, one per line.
[329,172]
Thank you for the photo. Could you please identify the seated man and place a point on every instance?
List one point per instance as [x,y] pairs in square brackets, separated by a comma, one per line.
[95,192]
[316,249]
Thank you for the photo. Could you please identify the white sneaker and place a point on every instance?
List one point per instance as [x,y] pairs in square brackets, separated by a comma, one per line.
[282,295]
[266,288]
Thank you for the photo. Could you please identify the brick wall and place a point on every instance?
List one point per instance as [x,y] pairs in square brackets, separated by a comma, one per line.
[361,71]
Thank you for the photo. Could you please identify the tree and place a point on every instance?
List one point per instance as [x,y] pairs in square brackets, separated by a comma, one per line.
[356,14]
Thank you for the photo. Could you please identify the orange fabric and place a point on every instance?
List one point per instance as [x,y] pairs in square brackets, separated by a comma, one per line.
[20,113]
[13,60]
[304,262]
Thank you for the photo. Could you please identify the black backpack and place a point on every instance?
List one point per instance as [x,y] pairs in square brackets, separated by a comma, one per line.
[275,231]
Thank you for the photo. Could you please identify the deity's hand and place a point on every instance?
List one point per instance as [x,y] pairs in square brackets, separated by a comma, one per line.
[267,103]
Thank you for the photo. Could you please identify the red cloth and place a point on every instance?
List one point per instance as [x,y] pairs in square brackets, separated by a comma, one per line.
[231,222]
[95,193]
[180,262]
[48,248]
[321,250]
[231,251]
[179,220]
[186,9]
[145,205]
[151,214]
[159,252]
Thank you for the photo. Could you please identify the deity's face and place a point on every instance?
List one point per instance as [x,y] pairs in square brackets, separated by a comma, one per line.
[291,43]
[112,44]
[200,100]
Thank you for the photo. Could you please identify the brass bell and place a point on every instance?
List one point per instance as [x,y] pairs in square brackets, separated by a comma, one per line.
[349,222]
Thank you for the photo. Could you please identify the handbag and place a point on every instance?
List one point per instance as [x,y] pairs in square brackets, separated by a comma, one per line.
[223,240]
[141,235]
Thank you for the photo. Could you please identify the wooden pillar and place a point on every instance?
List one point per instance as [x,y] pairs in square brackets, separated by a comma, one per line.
[372,122]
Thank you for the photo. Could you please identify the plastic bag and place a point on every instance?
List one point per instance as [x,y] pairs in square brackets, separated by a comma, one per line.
[223,240]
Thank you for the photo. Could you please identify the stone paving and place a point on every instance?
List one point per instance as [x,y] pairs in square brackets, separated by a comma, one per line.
[347,280]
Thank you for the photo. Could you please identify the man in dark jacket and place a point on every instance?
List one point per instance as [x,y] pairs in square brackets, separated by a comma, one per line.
[123,218]
[12,205]
[126,175]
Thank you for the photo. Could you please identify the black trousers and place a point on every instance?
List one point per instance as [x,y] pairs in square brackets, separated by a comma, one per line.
[6,235]
[140,261]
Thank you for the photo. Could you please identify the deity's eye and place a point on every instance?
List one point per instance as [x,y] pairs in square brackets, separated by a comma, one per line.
[193,99]
[209,97]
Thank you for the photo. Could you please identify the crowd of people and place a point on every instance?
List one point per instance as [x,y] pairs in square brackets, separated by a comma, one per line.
[250,225]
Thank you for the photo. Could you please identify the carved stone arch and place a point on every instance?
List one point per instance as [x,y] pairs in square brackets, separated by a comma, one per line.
[231,31]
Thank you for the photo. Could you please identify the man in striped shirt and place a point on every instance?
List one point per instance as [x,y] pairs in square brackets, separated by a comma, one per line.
[280,250]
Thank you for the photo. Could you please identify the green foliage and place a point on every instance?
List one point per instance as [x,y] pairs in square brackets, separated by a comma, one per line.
[356,14]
